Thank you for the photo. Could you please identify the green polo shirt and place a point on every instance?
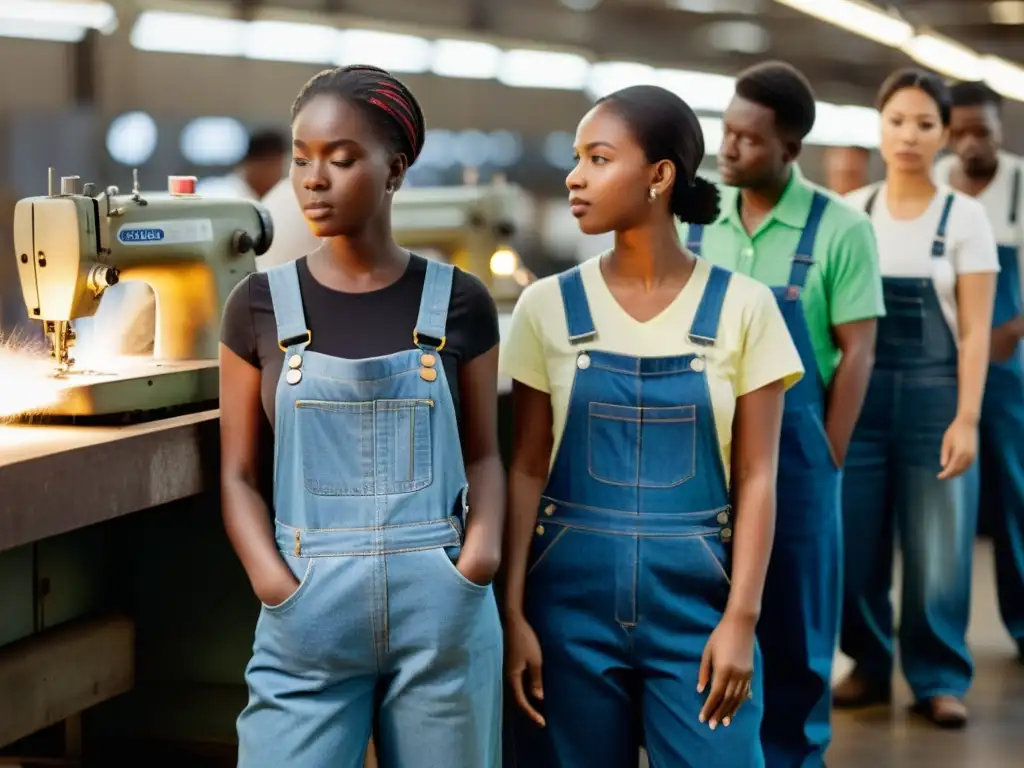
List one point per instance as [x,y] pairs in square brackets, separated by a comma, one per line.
[843,286]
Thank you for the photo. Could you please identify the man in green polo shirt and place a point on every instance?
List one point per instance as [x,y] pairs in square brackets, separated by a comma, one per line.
[819,257]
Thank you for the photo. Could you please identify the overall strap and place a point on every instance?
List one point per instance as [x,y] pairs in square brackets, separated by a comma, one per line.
[803,259]
[939,243]
[287,300]
[577,309]
[695,238]
[1015,196]
[433,317]
[704,330]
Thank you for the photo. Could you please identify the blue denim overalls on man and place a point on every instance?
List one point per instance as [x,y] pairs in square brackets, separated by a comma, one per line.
[369,496]
[1002,445]
[629,566]
[891,484]
[800,616]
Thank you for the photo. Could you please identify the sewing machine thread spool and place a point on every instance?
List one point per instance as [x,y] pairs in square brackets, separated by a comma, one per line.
[181,185]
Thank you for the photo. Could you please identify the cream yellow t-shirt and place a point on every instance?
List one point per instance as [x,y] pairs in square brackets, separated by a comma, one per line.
[753,349]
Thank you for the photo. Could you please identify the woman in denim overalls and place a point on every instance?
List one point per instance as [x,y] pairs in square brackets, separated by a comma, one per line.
[911,466]
[366,617]
[635,568]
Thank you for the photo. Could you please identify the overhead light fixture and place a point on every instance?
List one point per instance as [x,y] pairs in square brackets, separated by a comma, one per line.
[714,131]
[164,32]
[87,14]
[34,30]
[945,56]
[466,58]
[610,76]
[526,68]
[1010,12]
[390,51]
[857,17]
[1004,77]
[287,41]
[703,91]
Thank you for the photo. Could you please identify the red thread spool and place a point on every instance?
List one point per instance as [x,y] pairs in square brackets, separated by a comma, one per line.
[181,185]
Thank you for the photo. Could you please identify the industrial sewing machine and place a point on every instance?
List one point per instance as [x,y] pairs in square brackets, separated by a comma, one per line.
[73,245]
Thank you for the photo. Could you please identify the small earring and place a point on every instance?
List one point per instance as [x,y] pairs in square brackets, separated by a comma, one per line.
[652,194]
[391,189]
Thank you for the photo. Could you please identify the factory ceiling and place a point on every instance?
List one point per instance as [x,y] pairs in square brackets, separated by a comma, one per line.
[710,35]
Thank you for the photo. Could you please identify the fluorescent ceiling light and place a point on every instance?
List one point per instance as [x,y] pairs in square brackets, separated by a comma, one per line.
[393,52]
[844,126]
[945,56]
[1007,12]
[187,33]
[1004,77]
[701,90]
[285,41]
[465,58]
[69,13]
[35,30]
[714,131]
[857,17]
[543,69]
[609,76]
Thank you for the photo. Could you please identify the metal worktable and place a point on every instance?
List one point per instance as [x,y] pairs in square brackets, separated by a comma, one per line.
[55,479]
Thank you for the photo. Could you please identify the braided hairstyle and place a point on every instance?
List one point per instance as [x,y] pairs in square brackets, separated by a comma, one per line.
[385,100]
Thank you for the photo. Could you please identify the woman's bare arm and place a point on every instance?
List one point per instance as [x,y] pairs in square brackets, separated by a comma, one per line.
[246,517]
[755,460]
[975,295]
[531,457]
[478,389]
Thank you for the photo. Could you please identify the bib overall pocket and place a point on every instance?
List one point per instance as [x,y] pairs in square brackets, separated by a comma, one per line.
[643,447]
[365,448]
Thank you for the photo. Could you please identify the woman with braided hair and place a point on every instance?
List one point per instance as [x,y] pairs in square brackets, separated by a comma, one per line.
[360,382]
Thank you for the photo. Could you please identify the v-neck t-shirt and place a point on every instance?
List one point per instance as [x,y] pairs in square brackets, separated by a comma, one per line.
[753,348]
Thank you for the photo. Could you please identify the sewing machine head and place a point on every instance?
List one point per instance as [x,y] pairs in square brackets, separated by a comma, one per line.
[191,251]
[472,226]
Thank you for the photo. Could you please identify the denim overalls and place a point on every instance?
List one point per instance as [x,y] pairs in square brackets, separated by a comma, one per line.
[629,567]
[891,484]
[800,616]
[369,497]
[1002,445]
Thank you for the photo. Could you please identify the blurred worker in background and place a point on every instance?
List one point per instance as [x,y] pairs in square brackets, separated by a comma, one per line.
[292,236]
[818,255]
[373,573]
[640,378]
[263,165]
[846,168]
[981,169]
[912,460]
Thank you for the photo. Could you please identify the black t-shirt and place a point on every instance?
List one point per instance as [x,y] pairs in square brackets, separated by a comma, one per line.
[357,325]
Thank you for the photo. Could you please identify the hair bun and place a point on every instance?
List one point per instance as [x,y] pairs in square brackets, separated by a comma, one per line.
[696,203]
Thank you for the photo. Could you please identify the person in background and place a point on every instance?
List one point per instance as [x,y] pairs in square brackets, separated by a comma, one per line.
[292,235]
[912,465]
[648,389]
[846,168]
[359,382]
[262,167]
[818,255]
[979,167]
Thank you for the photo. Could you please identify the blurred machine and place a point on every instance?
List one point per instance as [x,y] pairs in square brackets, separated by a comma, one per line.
[74,244]
[473,226]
